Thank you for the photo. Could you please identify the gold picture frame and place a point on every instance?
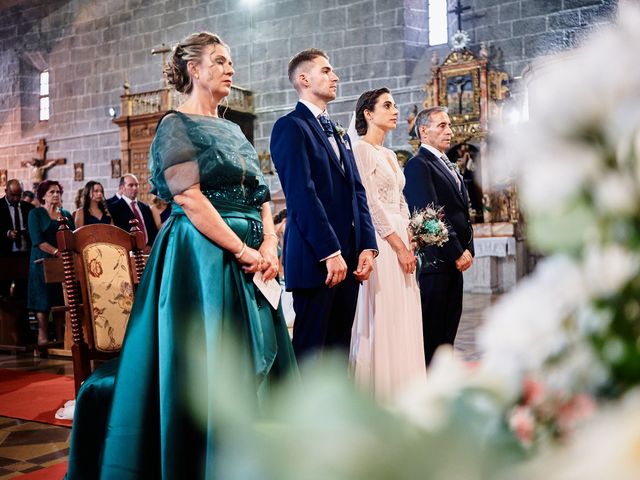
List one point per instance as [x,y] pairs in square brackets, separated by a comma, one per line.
[460,92]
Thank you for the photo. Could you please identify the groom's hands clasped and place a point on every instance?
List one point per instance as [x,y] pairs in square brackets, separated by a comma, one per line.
[336,270]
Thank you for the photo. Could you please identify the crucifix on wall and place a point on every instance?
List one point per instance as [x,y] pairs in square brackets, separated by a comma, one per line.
[40,164]
[459,10]
[163,50]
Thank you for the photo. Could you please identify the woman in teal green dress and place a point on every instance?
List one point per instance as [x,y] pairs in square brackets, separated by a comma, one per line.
[196,289]
[43,226]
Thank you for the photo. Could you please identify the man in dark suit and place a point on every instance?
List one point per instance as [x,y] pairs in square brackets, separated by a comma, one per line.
[128,208]
[15,243]
[329,242]
[14,215]
[433,179]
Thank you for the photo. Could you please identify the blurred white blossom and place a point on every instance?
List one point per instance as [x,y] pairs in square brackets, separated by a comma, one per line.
[608,447]
[607,270]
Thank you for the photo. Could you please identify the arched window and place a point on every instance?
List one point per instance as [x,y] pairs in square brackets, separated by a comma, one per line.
[438,30]
[44,96]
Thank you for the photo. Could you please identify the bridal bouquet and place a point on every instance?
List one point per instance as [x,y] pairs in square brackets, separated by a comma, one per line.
[427,227]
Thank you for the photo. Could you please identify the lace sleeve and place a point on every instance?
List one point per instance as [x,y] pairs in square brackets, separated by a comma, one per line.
[173,157]
[404,207]
[367,167]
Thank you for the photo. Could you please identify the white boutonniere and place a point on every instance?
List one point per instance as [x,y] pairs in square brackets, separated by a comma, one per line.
[342,134]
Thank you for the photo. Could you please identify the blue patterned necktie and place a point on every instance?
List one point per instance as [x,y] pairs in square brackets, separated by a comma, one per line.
[327,125]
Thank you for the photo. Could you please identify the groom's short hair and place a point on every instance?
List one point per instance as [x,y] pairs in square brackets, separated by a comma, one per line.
[301,58]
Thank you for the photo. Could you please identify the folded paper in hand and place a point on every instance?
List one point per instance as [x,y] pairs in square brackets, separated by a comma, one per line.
[271,289]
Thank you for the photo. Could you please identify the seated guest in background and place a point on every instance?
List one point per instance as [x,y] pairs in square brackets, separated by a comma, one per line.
[93,207]
[128,208]
[14,214]
[28,196]
[280,221]
[43,226]
[161,211]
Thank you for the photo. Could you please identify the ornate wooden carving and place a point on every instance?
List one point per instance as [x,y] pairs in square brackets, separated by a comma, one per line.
[474,94]
[138,257]
[71,245]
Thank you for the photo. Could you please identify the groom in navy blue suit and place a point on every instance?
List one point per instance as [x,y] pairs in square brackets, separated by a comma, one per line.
[329,240]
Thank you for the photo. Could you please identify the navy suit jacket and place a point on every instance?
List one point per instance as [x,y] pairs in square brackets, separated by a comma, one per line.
[326,206]
[122,213]
[112,200]
[429,181]
[6,224]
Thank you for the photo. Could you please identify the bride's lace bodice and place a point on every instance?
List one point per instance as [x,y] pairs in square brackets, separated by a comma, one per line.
[383,181]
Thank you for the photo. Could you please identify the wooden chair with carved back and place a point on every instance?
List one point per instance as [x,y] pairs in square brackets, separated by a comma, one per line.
[102,266]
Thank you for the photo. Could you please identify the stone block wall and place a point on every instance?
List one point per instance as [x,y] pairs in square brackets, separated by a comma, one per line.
[92,46]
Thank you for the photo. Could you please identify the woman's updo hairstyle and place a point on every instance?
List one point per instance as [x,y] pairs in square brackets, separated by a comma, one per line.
[367,101]
[191,48]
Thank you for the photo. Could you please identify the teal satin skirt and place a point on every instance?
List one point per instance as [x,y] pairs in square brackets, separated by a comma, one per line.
[192,295]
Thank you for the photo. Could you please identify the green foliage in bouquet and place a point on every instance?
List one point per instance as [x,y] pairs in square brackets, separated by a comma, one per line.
[427,227]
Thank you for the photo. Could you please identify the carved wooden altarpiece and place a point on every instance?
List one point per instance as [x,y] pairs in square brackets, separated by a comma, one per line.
[474,94]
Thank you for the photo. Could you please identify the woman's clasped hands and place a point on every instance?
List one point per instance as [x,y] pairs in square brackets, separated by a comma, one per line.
[264,260]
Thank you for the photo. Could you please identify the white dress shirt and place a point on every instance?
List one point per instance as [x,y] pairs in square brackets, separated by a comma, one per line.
[316,113]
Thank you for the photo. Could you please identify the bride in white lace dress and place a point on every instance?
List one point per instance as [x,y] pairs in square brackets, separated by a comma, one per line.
[387,352]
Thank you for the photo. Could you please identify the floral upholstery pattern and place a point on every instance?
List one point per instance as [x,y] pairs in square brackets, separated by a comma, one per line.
[110,291]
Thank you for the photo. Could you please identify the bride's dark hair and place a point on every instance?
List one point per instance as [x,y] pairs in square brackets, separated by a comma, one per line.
[191,48]
[367,101]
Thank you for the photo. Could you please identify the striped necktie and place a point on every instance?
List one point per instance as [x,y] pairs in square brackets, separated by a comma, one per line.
[453,168]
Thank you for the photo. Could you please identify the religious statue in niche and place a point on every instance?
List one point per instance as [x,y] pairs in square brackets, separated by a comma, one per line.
[40,164]
[116,168]
[502,206]
[411,123]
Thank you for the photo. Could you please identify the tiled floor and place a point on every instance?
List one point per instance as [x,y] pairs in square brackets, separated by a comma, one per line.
[29,446]
[473,308]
